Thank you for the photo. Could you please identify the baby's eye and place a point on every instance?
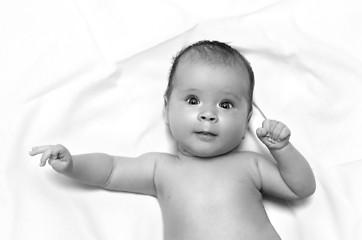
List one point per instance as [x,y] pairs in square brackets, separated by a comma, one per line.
[226,105]
[192,101]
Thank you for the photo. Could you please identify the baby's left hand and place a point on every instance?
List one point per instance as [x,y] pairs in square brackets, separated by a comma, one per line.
[274,134]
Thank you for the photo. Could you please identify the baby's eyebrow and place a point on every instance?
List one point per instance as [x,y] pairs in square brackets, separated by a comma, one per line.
[191,90]
[230,94]
[233,95]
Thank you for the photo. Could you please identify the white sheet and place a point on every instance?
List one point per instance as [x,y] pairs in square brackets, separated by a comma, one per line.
[91,75]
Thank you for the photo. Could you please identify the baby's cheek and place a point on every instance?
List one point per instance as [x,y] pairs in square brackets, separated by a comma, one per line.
[181,122]
[234,130]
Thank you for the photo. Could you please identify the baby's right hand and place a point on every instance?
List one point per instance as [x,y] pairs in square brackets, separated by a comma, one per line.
[57,155]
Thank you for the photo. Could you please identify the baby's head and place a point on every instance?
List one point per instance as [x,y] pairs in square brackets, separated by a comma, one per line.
[209,99]
[214,53]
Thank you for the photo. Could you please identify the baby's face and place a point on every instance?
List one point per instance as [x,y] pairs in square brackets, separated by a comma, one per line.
[208,109]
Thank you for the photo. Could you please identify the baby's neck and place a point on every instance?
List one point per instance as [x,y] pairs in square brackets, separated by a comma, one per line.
[185,156]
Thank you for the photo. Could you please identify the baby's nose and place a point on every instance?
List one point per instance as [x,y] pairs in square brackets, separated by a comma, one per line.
[208,116]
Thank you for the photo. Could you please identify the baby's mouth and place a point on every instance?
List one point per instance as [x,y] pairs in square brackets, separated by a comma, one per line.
[206,136]
[205,133]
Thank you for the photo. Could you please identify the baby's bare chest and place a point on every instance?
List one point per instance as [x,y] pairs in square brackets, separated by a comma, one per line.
[195,197]
[208,185]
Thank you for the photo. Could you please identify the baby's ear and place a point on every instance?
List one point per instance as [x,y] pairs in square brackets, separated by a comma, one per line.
[165,110]
[250,115]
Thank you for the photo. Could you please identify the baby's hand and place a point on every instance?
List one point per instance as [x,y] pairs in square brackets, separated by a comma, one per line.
[57,155]
[275,135]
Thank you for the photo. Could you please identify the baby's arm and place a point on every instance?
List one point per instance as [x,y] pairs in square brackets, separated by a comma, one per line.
[291,176]
[102,170]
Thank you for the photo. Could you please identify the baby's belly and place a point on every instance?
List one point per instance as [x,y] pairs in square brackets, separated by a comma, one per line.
[217,219]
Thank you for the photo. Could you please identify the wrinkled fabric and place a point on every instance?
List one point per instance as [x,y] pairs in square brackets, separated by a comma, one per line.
[91,76]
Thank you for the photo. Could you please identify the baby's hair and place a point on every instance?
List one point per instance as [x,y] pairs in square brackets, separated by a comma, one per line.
[213,52]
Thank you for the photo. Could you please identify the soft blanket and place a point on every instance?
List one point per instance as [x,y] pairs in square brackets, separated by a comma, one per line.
[91,75]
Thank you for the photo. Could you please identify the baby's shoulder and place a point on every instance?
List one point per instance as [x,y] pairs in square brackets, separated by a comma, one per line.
[159,158]
[247,161]
[246,157]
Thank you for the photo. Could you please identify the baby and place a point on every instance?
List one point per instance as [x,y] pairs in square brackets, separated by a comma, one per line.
[208,189]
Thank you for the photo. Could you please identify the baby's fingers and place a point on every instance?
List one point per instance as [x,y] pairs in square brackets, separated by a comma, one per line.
[284,133]
[46,155]
[277,130]
[261,132]
[38,149]
[48,151]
